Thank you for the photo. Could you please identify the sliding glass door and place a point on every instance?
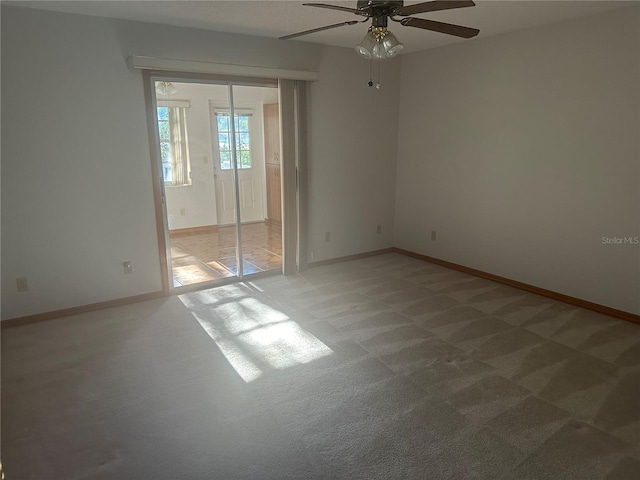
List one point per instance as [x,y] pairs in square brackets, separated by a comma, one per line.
[218,158]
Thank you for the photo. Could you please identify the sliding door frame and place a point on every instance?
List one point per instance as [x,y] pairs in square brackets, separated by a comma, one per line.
[293,158]
[292,101]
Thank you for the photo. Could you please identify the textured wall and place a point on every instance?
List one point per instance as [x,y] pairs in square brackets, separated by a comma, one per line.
[522,152]
[353,149]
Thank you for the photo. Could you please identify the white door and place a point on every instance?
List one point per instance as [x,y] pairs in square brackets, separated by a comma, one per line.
[250,165]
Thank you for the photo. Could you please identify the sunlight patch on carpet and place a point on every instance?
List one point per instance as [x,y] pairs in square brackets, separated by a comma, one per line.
[257,338]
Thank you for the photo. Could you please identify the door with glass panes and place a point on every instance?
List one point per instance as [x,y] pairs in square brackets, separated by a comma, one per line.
[250,168]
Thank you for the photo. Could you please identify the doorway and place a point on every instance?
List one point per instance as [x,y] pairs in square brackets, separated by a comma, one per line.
[250,151]
[211,145]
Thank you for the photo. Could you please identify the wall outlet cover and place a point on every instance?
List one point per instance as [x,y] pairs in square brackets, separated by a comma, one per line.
[22,284]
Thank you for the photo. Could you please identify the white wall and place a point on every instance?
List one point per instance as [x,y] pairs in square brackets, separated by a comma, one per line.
[353,149]
[522,152]
[76,178]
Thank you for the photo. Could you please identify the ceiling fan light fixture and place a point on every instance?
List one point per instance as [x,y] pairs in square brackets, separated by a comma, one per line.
[165,88]
[363,52]
[379,43]
[366,47]
[378,51]
[391,45]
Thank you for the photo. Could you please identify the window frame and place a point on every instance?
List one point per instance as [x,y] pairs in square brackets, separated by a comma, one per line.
[216,132]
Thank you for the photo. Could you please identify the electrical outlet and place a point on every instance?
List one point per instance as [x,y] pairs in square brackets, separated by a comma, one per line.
[327,236]
[128,268]
[433,235]
[183,212]
[22,284]
[379,229]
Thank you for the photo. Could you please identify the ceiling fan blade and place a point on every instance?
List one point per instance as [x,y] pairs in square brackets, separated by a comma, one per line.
[336,7]
[433,7]
[314,30]
[457,30]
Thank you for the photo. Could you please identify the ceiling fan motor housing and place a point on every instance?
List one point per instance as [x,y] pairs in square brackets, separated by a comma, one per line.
[389,5]
[379,10]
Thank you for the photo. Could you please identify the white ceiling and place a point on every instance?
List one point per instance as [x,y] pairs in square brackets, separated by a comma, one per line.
[274,18]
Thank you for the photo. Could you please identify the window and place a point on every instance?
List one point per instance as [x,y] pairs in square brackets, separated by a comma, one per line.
[174,146]
[243,148]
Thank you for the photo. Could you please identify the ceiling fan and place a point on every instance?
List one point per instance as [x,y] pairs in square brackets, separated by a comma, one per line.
[379,43]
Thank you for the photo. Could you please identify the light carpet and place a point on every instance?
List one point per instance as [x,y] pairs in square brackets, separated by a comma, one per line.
[382,368]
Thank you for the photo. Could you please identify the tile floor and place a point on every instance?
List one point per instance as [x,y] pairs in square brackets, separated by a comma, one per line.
[211,256]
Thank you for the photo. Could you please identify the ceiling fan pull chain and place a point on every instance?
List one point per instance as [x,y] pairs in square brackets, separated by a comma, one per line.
[378,84]
[370,83]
